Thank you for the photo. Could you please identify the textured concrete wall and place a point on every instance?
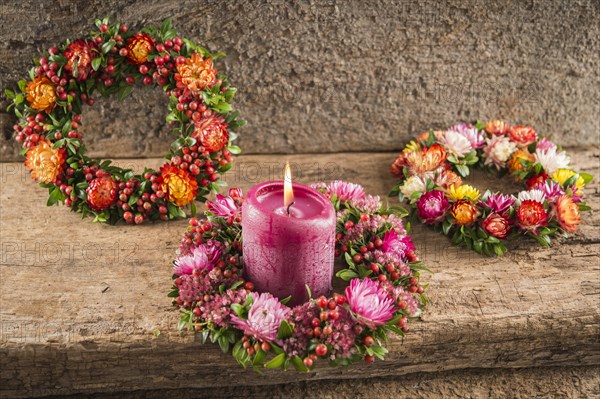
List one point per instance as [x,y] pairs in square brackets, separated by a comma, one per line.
[339,75]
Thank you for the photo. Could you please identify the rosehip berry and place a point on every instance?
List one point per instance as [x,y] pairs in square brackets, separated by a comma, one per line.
[123,28]
[315,322]
[369,359]
[369,341]
[402,304]
[103,28]
[139,219]
[331,304]
[147,80]
[143,69]
[413,288]
[265,346]
[378,243]
[321,350]
[308,362]
[322,302]
[334,314]
[123,52]
[374,267]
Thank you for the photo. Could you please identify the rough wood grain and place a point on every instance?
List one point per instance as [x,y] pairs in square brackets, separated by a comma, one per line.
[84,306]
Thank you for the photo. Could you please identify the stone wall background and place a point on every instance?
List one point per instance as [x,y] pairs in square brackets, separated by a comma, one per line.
[341,75]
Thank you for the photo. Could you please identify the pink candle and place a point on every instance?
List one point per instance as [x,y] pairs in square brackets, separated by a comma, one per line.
[284,251]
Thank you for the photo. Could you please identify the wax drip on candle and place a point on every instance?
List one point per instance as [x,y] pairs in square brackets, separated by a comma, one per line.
[288,192]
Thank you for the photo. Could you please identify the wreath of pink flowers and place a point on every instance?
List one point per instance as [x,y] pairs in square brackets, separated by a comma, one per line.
[260,330]
[110,61]
[431,169]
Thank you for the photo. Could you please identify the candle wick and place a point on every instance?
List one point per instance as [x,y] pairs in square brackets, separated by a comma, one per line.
[288,207]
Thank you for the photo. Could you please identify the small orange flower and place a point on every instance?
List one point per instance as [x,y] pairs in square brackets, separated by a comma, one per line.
[464,212]
[420,161]
[195,73]
[41,94]
[522,135]
[567,213]
[45,163]
[425,135]
[448,178]
[212,133]
[138,48]
[101,193]
[514,163]
[179,187]
[497,128]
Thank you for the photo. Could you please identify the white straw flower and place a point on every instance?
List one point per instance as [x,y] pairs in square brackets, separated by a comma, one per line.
[456,144]
[412,185]
[534,194]
[551,160]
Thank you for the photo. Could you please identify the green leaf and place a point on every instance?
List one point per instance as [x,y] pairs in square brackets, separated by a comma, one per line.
[234,149]
[299,364]
[22,85]
[259,358]
[224,344]
[346,274]
[96,64]
[463,170]
[285,330]
[583,207]
[276,362]
[124,92]
[106,47]
[10,94]
[586,177]
[174,293]
[348,258]
[238,309]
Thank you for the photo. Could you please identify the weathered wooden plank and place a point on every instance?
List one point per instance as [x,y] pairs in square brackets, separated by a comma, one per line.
[82,304]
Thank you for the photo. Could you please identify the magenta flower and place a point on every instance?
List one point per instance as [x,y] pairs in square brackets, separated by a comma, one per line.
[432,206]
[392,243]
[345,191]
[264,317]
[203,257]
[369,304]
[469,132]
[551,189]
[223,206]
[498,203]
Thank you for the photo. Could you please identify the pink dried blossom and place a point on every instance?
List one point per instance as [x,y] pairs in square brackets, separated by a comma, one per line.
[369,304]
[432,206]
[203,257]
[551,189]
[544,145]
[498,203]
[368,203]
[345,192]
[264,317]
[470,132]
[223,206]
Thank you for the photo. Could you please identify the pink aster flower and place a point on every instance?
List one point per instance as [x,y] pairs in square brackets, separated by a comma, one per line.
[498,150]
[551,189]
[498,203]
[345,191]
[456,144]
[264,317]
[203,257]
[470,132]
[432,206]
[369,304]
[368,203]
[223,206]
[544,145]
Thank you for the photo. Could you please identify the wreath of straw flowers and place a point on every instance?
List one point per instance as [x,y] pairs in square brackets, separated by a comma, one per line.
[431,170]
[109,62]
[383,291]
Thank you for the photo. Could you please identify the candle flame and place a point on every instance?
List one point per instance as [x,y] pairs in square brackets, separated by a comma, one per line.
[288,192]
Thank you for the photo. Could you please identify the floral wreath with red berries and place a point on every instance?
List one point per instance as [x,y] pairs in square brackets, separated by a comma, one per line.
[260,330]
[111,61]
[431,167]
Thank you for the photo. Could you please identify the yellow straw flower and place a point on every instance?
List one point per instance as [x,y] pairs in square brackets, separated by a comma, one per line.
[463,191]
[412,146]
[562,175]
